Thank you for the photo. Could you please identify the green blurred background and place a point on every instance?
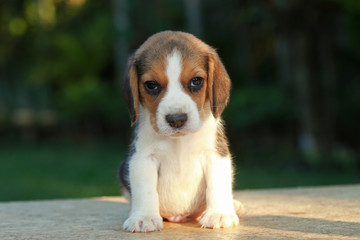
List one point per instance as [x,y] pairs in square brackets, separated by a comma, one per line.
[294,112]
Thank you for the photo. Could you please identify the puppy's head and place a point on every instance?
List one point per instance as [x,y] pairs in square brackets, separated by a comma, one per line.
[176,78]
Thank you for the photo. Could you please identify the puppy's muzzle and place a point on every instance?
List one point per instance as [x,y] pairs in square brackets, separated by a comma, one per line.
[176,120]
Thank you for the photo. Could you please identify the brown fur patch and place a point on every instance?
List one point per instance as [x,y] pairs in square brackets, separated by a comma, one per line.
[219,85]
[195,67]
[156,73]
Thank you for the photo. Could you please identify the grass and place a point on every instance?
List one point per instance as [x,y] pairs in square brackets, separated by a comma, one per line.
[58,170]
[251,178]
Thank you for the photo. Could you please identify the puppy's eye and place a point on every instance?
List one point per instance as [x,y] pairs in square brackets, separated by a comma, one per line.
[195,84]
[152,87]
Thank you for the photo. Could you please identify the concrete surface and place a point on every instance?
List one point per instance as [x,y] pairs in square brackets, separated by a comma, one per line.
[299,213]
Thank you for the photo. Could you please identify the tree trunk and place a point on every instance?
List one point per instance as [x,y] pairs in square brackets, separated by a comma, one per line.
[193,15]
[122,31]
[328,86]
[307,139]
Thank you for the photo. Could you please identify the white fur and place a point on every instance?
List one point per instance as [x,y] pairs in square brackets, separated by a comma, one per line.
[179,177]
[176,101]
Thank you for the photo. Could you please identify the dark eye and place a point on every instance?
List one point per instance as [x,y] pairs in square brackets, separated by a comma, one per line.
[195,84]
[152,87]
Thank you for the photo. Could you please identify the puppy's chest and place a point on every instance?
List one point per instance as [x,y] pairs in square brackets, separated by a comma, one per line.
[178,168]
[181,182]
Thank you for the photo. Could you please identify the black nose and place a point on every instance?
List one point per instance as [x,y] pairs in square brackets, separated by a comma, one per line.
[176,120]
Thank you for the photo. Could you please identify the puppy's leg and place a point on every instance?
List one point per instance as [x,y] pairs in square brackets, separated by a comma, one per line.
[144,214]
[220,212]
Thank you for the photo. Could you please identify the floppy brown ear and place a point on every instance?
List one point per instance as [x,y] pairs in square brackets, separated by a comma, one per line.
[131,91]
[218,85]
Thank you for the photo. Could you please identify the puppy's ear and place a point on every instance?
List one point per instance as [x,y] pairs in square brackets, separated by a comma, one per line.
[131,90]
[218,84]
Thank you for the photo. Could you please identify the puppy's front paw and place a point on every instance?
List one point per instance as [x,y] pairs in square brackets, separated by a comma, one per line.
[212,219]
[143,224]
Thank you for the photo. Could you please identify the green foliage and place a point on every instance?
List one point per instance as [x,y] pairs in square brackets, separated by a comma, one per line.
[350,5]
[257,105]
[59,170]
[70,170]
[91,98]
[74,53]
[59,55]
[345,158]
[265,155]
[267,177]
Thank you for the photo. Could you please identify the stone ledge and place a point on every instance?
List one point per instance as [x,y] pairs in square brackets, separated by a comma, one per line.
[299,213]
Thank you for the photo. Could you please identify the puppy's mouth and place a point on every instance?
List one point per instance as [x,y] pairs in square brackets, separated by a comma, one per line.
[174,133]
[178,134]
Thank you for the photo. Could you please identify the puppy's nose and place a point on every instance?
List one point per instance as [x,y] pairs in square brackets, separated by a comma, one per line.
[176,120]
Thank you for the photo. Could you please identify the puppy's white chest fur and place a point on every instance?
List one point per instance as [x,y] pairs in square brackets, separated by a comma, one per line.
[181,165]
[181,184]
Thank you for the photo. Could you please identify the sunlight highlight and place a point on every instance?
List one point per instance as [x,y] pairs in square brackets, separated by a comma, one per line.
[112,199]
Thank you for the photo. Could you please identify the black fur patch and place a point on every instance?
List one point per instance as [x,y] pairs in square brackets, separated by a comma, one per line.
[127,90]
[206,62]
[222,144]
[213,107]
[123,173]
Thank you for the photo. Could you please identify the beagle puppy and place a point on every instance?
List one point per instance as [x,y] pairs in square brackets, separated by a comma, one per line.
[179,165]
